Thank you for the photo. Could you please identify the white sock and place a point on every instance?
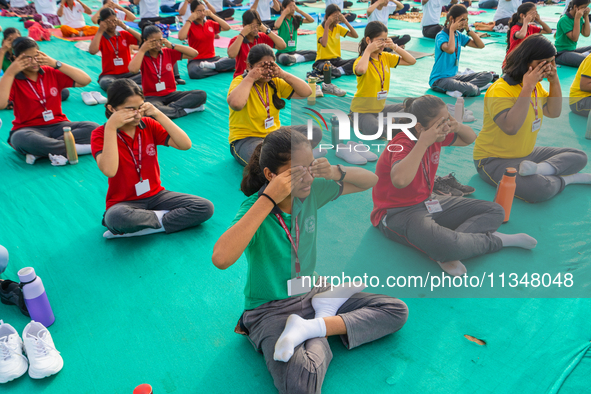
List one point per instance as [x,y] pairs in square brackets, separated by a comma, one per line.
[299,58]
[109,235]
[198,109]
[83,149]
[454,268]
[160,215]
[297,330]
[58,160]
[327,303]
[580,178]
[527,168]
[30,159]
[209,65]
[455,93]
[342,70]
[523,241]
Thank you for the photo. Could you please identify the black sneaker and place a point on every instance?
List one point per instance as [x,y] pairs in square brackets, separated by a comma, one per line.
[180,81]
[12,294]
[443,189]
[451,181]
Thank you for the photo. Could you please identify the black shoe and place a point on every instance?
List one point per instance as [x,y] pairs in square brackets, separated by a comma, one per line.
[401,40]
[451,181]
[180,81]
[442,188]
[12,294]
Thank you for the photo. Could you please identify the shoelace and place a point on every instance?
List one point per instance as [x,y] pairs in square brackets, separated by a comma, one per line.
[41,347]
[7,350]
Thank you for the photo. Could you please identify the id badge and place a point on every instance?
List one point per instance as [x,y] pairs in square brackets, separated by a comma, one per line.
[118,61]
[457,63]
[269,122]
[142,187]
[298,286]
[382,95]
[47,115]
[160,86]
[433,206]
[291,43]
[535,126]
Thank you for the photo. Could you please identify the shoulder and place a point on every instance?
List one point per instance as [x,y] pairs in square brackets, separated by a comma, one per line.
[502,89]
[231,40]
[98,132]
[235,82]
[320,29]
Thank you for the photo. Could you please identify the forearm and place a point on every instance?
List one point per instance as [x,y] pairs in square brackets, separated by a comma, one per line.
[5,86]
[576,31]
[476,38]
[279,21]
[466,134]
[545,28]
[279,43]
[512,121]
[136,63]
[363,63]
[372,8]
[352,33]
[300,87]
[189,52]
[224,26]
[522,33]
[94,46]
[254,5]
[358,177]
[177,135]
[234,49]
[108,159]
[60,10]
[79,76]
[406,58]
[239,96]
[134,33]
[307,17]
[586,27]
[94,18]
[210,7]
[129,16]
[403,173]
[451,43]
[324,38]
[554,103]
[184,32]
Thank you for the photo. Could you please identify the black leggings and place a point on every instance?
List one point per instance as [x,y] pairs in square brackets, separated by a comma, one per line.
[347,65]
[431,31]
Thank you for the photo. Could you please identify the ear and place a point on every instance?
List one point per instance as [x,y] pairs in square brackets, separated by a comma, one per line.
[110,108]
[367,40]
[268,174]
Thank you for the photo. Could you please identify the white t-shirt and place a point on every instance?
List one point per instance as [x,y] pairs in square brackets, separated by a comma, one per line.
[218,5]
[18,3]
[121,16]
[73,17]
[149,9]
[506,9]
[264,9]
[432,12]
[169,3]
[46,7]
[383,14]
[340,3]
[187,13]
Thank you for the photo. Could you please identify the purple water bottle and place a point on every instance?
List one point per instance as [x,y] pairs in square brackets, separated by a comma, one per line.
[35,297]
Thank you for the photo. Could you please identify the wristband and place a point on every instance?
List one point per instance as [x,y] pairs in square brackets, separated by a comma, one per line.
[243,36]
[270,199]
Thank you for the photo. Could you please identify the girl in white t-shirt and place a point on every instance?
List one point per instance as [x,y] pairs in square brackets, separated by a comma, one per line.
[380,11]
[123,14]
[505,11]
[431,17]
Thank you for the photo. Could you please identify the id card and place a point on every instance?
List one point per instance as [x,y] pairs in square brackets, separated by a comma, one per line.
[433,206]
[457,63]
[160,86]
[299,286]
[47,115]
[269,122]
[382,95]
[142,187]
[535,126]
[291,43]
[118,61]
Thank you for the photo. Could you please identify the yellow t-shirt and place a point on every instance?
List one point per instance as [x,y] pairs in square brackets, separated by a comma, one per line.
[332,49]
[250,120]
[576,94]
[492,141]
[369,84]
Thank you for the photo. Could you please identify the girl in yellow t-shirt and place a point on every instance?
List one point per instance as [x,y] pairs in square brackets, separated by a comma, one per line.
[372,69]
[514,108]
[256,99]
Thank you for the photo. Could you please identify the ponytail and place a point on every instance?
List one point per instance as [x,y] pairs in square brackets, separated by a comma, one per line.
[277,102]
[253,178]
[522,9]
[455,12]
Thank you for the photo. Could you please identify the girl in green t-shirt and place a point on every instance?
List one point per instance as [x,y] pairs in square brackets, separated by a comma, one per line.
[573,24]
[283,181]
[287,26]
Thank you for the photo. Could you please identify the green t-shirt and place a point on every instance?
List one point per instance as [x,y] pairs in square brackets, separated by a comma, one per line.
[269,254]
[566,24]
[283,32]
[6,62]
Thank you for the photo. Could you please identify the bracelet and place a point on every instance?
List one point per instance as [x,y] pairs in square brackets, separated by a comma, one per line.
[270,199]
[240,34]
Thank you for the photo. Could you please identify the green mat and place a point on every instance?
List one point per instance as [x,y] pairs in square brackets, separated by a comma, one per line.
[155,310]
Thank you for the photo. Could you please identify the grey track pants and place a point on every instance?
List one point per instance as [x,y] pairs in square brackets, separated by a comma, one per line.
[173,104]
[282,58]
[572,58]
[106,80]
[186,211]
[535,188]
[469,84]
[366,316]
[368,122]
[582,107]
[462,230]
[43,140]
[242,149]
[222,64]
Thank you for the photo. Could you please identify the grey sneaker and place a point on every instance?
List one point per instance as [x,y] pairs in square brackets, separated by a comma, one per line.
[443,189]
[330,88]
[451,181]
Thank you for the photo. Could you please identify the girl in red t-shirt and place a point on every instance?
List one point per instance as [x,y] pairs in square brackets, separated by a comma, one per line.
[521,26]
[156,60]
[125,151]
[447,229]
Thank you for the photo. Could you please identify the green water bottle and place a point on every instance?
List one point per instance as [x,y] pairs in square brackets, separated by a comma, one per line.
[588,133]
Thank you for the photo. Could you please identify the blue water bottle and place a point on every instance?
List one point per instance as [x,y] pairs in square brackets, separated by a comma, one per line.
[35,297]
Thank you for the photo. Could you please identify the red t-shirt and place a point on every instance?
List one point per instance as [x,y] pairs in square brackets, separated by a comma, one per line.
[385,195]
[164,64]
[245,48]
[28,110]
[109,46]
[514,42]
[122,185]
[201,38]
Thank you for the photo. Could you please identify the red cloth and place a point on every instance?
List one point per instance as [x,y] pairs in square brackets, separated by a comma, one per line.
[245,48]
[150,77]
[201,38]
[514,42]
[108,48]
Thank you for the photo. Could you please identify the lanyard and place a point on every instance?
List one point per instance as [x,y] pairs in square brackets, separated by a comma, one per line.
[295,245]
[383,72]
[427,175]
[265,103]
[158,70]
[117,41]
[290,28]
[43,100]
[536,103]
[456,34]
[138,166]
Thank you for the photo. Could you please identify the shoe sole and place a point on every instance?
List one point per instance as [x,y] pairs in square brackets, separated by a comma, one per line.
[17,375]
[442,194]
[468,193]
[40,375]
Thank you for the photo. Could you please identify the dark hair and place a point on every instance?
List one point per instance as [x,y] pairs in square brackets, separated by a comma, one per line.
[522,9]
[372,30]
[272,153]
[10,31]
[22,44]
[119,91]
[455,12]
[148,30]
[255,55]
[424,108]
[249,17]
[297,20]
[534,47]
[331,9]
[105,14]
[576,3]
[196,4]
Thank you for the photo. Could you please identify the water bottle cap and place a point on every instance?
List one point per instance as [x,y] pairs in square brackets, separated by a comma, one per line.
[67,129]
[26,274]
[510,171]
[143,389]
[3,258]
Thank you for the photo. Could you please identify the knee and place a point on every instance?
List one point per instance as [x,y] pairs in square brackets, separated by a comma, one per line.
[19,139]
[472,91]
[202,208]
[579,158]
[65,94]
[105,83]
[195,72]
[496,214]
[307,367]
[115,217]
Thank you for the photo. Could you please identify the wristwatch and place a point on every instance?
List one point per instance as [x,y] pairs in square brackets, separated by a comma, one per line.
[268,30]
[172,46]
[58,64]
[343,172]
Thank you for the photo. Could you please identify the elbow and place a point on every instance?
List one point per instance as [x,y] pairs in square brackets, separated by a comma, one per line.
[92,51]
[399,183]
[133,68]
[219,261]
[182,36]
[281,45]
[3,105]
[234,105]
[354,34]
[510,130]
[84,81]
[412,62]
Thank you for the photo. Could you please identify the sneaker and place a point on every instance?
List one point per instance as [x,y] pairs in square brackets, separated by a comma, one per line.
[367,155]
[319,91]
[453,183]
[290,59]
[443,189]
[88,99]
[58,160]
[13,364]
[180,81]
[347,153]
[330,88]
[44,358]
[99,97]
[12,294]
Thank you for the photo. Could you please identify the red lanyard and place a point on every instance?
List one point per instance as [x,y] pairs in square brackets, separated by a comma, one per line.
[427,174]
[295,245]
[536,104]
[158,70]
[138,163]
[117,41]
[290,28]
[265,103]
[383,72]
[43,100]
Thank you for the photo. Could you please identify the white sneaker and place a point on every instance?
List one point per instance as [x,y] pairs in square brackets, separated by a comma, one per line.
[88,99]
[319,91]
[12,362]
[347,153]
[44,358]
[330,88]
[367,155]
[201,108]
[99,97]
[58,160]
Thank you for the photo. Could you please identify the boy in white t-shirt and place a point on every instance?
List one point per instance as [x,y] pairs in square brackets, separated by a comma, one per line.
[123,14]
[380,11]
[263,8]
[71,14]
[349,16]
[150,12]
[431,17]
[505,11]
